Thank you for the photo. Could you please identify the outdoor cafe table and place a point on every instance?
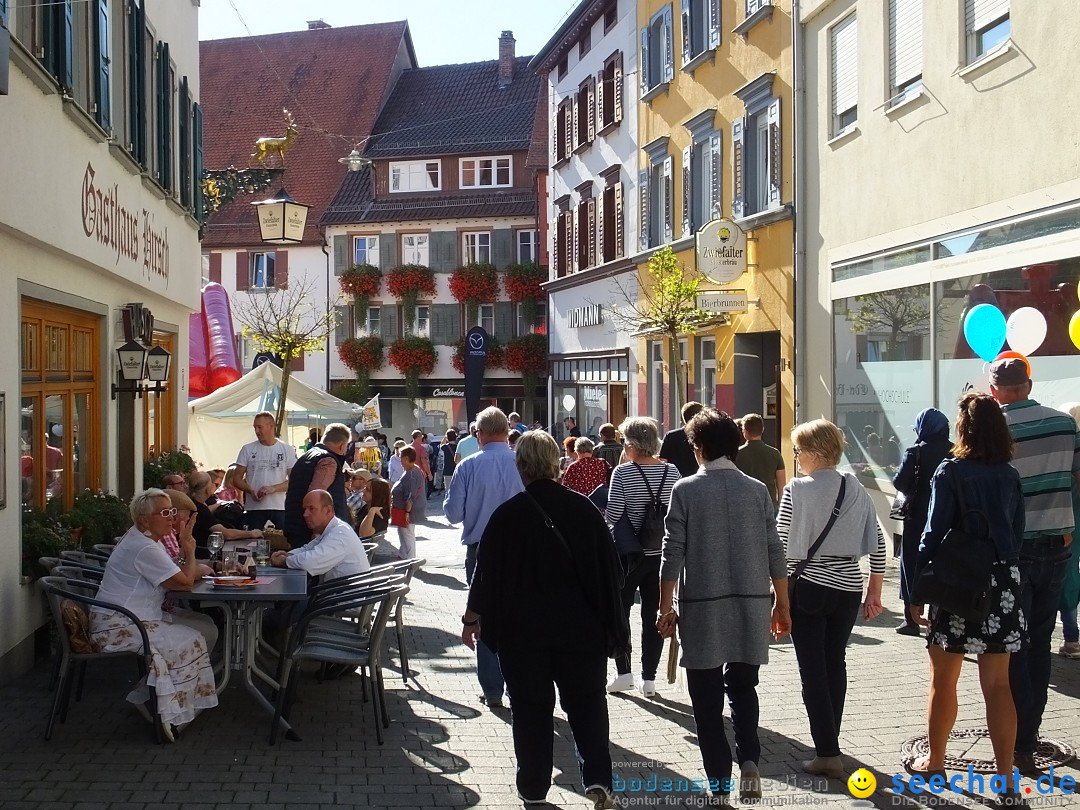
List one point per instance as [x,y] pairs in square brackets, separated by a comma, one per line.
[243,612]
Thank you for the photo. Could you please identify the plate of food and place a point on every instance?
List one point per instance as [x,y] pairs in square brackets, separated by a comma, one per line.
[234,582]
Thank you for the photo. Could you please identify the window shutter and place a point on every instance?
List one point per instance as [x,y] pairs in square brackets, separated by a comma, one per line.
[166,129]
[342,328]
[617,87]
[590,208]
[103,114]
[686,41]
[643,63]
[620,222]
[215,267]
[599,231]
[574,114]
[687,190]
[667,201]
[568,129]
[905,41]
[502,247]
[243,279]
[714,23]
[594,109]
[67,50]
[715,170]
[845,67]
[601,120]
[159,156]
[183,119]
[387,247]
[197,162]
[738,168]
[137,80]
[643,204]
[281,269]
[388,322]
[573,263]
[669,45]
[555,136]
[341,254]
[980,13]
[775,155]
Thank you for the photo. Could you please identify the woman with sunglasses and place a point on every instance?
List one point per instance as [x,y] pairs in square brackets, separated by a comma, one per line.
[137,576]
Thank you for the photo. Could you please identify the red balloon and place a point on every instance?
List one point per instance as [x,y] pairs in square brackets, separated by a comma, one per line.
[1015,356]
[223,364]
[197,356]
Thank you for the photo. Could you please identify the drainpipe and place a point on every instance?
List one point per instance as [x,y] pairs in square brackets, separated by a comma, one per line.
[330,332]
[799,265]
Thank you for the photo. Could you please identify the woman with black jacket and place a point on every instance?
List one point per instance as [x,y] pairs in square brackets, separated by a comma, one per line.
[932,446]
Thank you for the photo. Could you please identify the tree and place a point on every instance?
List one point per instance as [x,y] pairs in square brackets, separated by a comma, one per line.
[666,306]
[899,313]
[287,323]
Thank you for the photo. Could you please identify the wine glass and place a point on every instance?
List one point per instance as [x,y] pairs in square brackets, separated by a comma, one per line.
[215,543]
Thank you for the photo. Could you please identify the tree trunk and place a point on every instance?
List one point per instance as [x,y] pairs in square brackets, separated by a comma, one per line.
[527,409]
[679,375]
[286,373]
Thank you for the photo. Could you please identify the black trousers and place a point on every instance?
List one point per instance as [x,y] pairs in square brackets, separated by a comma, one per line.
[577,665]
[707,689]
[644,577]
[821,622]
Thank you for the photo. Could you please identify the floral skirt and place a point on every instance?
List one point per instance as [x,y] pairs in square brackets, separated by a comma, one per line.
[180,673]
[1003,631]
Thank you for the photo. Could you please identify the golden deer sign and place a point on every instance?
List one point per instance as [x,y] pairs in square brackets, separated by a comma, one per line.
[265,146]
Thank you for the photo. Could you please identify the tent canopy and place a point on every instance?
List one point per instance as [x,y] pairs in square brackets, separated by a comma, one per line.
[220,423]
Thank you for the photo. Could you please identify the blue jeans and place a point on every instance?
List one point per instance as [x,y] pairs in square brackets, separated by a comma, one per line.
[488,671]
[1069,627]
[708,687]
[1042,573]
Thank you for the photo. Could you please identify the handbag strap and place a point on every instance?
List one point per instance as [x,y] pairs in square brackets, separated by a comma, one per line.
[801,567]
[559,537]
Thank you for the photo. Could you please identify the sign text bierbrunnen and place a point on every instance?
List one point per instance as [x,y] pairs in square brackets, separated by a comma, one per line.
[130,235]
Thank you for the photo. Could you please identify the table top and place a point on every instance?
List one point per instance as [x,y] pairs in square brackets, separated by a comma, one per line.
[271,588]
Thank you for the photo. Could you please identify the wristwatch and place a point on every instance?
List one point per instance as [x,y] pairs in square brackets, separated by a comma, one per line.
[469,624]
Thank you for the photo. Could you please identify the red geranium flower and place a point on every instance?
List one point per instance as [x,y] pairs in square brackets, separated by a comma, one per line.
[528,354]
[361,281]
[410,279]
[364,353]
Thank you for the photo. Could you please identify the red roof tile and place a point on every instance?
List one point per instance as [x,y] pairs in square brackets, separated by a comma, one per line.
[332,80]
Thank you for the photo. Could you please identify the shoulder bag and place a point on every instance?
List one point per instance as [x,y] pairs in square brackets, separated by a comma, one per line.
[957,578]
[800,569]
[901,506]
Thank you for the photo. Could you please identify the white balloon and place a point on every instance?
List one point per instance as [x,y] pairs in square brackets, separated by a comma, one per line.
[568,402]
[1025,330]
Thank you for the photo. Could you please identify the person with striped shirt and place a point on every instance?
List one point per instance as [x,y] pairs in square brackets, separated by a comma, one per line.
[1047,456]
[827,596]
[632,488]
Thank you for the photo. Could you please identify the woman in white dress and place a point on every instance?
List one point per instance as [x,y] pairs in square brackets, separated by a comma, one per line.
[138,574]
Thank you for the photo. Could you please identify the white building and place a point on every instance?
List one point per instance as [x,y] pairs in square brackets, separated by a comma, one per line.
[100,131]
[591,64]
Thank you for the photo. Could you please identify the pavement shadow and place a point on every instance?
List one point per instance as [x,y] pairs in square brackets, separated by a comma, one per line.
[440,580]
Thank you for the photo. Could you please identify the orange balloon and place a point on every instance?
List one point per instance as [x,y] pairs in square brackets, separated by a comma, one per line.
[1015,356]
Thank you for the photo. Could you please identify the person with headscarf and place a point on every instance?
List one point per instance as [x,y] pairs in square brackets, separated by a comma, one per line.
[912,479]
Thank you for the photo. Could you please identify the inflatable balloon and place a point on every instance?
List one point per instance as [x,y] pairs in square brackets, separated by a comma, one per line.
[984,330]
[1025,330]
[197,356]
[1015,356]
[223,362]
[1074,329]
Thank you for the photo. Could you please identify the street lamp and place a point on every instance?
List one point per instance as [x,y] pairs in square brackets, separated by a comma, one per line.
[354,160]
[282,219]
[158,361]
[131,359]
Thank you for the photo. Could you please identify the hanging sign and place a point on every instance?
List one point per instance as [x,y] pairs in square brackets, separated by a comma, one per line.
[476,352]
[721,251]
[721,301]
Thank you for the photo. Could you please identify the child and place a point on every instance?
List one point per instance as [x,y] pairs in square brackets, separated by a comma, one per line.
[396,470]
[402,497]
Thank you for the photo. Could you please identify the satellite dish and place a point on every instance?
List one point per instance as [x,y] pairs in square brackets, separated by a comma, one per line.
[568,402]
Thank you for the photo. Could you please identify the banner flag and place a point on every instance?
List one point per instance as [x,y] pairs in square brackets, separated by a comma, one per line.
[371,417]
[476,351]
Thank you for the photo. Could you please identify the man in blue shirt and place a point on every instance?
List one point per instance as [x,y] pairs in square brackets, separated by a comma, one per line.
[482,482]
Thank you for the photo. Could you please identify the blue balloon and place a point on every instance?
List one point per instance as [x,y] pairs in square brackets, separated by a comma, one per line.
[984,329]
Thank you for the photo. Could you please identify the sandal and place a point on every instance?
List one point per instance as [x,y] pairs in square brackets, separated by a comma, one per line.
[919,767]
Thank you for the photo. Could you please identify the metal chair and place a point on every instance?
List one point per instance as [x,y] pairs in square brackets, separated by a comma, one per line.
[104,549]
[90,576]
[59,589]
[355,651]
[85,558]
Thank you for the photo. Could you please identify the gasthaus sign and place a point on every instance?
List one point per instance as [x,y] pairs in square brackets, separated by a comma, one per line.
[721,251]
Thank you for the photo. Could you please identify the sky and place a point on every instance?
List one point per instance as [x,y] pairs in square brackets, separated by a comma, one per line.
[443,31]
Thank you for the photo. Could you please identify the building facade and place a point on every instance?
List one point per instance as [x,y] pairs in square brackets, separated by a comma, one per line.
[927,194]
[447,188]
[590,64]
[715,97]
[98,245]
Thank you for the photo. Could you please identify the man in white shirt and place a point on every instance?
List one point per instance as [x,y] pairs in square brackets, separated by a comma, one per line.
[262,472]
[335,550]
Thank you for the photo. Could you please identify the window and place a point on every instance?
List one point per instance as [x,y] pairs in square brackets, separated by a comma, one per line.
[422,327]
[756,151]
[844,75]
[528,246]
[366,250]
[609,223]
[656,381]
[486,172]
[609,90]
[654,189]
[562,131]
[415,175]
[539,322]
[585,43]
[261,272]
[583,112]
[561,69]
[700,28]
[164,83]
[657,64]
[373,325]
[476,247]
[707,370]
[585,235]
[702,170]
[987,25]
[485,318]
[753,6]
[563,235]
[611,16]
[415,248]
[905,48]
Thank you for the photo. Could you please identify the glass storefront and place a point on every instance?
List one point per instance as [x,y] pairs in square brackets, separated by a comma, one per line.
[598,386]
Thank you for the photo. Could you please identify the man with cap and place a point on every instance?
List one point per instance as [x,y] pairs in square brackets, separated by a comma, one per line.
[320,468]
[1047,456]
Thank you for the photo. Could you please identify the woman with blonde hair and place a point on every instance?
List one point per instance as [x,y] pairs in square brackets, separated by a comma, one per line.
[827,523]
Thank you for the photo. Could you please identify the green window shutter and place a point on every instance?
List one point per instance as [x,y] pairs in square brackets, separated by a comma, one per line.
[343,329]
[502,247]
[504,320]
[183,120]
[66,53]
[136,83]
[103,114]
[197,162]
[165,132]
[441,250]
[341,254]
[389,323]
[445,324]
[388,252]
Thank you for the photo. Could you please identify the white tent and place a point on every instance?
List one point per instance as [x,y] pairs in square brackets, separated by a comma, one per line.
[220,423]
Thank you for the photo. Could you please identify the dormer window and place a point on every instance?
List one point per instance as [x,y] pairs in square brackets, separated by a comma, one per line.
[486,172]
[415,175]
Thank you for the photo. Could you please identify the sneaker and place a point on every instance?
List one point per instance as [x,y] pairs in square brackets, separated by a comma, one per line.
[621,683]
[492,702]
[907,629]
[832,767]
[749,782]
[601,797]
[648,689]
[1070,649]
[531,802]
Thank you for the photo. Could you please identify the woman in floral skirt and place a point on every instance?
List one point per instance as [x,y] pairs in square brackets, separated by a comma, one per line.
[981,477]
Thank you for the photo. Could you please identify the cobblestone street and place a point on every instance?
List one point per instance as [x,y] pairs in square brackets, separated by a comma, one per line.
[444,749]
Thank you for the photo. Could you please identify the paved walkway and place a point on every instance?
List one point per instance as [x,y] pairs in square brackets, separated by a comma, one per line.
[443,749]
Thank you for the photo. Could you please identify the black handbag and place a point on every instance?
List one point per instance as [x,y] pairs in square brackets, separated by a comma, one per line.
[793,577]
[901,506]
[957,578]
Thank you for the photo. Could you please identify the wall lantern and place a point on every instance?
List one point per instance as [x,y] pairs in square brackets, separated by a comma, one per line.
[281,219]
[158,361]
[131,359]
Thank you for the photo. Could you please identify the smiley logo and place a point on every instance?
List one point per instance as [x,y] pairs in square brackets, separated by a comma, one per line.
[861,783]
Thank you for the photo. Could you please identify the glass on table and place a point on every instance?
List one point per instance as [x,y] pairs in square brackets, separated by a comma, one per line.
[215,543]
[262,551]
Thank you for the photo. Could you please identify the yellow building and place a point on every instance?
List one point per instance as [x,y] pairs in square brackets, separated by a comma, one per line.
[716,131]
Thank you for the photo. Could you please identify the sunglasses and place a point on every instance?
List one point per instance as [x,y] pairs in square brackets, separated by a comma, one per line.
[168,513]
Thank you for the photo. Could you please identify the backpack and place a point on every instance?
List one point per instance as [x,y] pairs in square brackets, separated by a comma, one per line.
[651,533]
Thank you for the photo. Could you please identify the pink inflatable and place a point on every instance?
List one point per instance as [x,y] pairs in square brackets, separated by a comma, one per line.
[197,385]
[223,366]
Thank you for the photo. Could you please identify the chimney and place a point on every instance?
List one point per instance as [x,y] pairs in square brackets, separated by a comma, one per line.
[506,58]
[317,25]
